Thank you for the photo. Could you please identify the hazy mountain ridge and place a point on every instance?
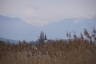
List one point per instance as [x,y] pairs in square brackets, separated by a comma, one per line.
[8,40]
[18,29]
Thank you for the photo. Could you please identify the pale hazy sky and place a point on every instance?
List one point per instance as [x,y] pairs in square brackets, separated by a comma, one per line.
[25,19]
[43,12]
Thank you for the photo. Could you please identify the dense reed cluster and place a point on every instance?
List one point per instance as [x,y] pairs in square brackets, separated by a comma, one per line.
[75,50]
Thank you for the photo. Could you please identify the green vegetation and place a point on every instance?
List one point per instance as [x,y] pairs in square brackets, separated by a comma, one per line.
[76,50]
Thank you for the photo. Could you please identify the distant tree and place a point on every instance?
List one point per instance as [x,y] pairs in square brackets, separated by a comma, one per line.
[75,36]
[81,36]
[94,34]
[45,37]
[68,35]
[87,35]
[42,37]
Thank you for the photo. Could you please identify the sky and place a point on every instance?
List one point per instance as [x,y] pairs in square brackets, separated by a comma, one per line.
[25,19]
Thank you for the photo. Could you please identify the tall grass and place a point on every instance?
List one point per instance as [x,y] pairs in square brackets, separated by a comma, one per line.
[78,50]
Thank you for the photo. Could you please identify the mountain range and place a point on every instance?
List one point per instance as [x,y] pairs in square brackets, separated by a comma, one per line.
[8,40]
[17,29]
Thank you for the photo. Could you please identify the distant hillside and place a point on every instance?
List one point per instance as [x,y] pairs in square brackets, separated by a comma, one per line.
[8,40]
